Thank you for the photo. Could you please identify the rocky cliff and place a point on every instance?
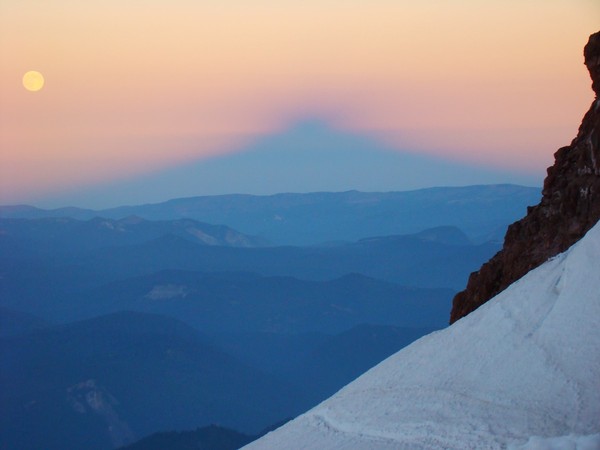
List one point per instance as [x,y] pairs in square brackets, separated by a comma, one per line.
[570,206]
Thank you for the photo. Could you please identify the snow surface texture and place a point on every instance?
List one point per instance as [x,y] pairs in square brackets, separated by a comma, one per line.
[521,372]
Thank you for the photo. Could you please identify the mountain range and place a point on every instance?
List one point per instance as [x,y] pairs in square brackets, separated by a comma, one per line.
[102,382]
[116,378]
[67,235]
[482,212]
[99,306]
[209,307]
[65,269]
[240,302]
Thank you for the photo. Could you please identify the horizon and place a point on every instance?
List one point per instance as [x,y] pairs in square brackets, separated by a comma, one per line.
[133,98]
[235,194]
[310,157]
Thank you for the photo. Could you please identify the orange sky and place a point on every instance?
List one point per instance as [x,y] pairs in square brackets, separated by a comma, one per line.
[132,86]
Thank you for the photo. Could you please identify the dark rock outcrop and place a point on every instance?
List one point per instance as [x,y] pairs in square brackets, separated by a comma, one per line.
[570,206]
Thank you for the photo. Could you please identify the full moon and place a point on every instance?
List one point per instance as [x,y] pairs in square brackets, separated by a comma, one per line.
[33,81]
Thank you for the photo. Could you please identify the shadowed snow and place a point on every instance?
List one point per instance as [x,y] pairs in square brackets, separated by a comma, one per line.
[522,370]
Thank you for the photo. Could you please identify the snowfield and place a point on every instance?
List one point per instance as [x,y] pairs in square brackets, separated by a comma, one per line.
[522,371]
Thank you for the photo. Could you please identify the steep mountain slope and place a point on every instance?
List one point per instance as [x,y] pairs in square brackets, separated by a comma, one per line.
[343,357]
[482,212]
[570,206]
[521,370]
[319,364]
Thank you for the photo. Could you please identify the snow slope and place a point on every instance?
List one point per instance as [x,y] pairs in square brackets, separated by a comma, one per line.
[522,371]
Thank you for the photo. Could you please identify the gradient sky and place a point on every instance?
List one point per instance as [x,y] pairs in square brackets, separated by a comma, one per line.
[135,87]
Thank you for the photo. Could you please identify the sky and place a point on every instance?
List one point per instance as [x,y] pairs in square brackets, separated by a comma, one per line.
[136,88]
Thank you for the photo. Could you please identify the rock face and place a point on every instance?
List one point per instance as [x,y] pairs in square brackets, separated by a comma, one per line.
[570,206]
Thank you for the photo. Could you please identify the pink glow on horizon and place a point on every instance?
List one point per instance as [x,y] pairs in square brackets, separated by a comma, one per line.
[131,89]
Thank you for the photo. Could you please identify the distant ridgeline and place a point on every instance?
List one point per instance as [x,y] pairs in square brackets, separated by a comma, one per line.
[481,212]
[570,206]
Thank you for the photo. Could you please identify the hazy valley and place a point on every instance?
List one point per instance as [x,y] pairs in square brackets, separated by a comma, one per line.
[149,320]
